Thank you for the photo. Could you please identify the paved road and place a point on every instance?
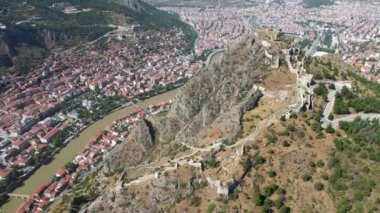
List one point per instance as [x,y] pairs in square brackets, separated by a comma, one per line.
[313,47]
[331,98]
[108,34]
[330,105]
[348,118]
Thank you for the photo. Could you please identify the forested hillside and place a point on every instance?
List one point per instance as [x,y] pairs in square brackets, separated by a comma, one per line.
[34,29]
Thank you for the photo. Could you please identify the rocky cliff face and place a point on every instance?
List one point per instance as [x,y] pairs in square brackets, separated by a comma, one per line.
[145,135]
[25,48]
[50,37]
[135,150]
[218,96]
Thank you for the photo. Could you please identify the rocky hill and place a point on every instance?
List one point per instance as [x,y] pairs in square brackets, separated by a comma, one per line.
[217,98]
[237,140]
[230,91]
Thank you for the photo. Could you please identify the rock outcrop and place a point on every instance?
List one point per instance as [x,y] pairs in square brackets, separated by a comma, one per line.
[218,96]
[145,135]
[163,190]
[134,150]
[35,44]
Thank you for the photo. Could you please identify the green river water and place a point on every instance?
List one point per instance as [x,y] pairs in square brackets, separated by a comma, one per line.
[46,172]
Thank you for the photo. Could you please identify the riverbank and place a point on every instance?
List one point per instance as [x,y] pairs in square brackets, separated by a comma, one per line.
[46,172]
[55,150]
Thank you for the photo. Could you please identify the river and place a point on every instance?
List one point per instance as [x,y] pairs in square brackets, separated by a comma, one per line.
[46,172]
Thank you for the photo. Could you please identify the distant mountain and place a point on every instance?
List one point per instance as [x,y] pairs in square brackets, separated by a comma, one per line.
[133,4]
[202,3]
[31,30]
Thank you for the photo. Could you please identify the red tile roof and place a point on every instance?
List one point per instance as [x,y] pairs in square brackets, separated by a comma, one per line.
[4,172]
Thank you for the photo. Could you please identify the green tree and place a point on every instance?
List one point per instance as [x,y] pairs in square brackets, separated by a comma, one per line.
[285,143]
[195,201]
[272,173]
[341,107]
[284,209]
[330,129]
[71,166]
[270,189]
[319,186]
[332,86]
[306,177]
[280,191]
[321,90]
[246,163]
[320,163]
[211,207]
[213,163]
[258,198]
[278,203]
[272,138]
[258,160]
[291,128]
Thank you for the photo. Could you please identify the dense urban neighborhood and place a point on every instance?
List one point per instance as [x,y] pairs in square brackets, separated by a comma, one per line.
[216,27]
[88,158]
[43,110]
[353,34]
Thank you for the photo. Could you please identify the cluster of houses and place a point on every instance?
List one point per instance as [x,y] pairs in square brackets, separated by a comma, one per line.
[217,27]
[89,157]
[32,105]
[366,63]
[354,27]
[127,70]
[19,152]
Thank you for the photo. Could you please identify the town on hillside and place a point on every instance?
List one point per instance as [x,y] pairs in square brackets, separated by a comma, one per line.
[46,108]
[43,110]
[88,159]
